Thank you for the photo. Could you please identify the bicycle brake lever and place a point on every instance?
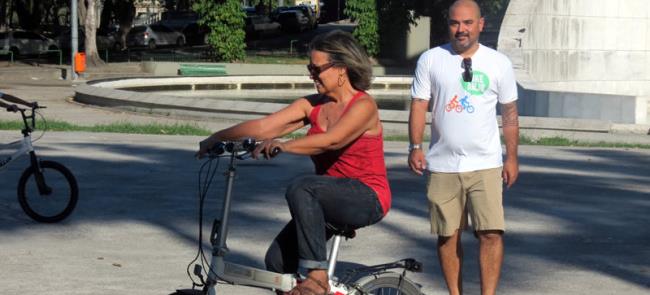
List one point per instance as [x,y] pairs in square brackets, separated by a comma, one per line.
[412,265]
[274,152]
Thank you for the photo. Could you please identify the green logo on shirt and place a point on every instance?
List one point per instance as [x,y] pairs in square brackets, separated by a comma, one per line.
[480,83]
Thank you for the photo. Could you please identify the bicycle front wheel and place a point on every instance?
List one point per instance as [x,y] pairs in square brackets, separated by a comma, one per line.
[386,283]
[57,202]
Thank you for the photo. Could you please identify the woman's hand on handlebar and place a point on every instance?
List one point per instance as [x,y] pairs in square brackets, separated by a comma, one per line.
[204,146]
[270,148]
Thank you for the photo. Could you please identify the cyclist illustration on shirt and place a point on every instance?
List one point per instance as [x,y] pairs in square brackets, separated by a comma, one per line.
[464,104]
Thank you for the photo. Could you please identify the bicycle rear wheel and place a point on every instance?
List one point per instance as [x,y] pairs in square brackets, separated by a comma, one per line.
[55,205]
[386,283]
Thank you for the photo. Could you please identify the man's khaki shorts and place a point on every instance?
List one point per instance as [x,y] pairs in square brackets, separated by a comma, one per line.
[454,196]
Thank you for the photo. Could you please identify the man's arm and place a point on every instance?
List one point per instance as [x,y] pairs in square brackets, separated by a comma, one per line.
[417,122]
[510,124]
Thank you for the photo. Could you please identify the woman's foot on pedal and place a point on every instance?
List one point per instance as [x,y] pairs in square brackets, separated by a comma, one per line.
[316,283]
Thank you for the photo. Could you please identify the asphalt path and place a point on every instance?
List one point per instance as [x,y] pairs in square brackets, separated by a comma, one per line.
[577,220]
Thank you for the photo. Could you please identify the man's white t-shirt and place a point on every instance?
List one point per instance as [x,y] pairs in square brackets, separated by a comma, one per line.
[464,131]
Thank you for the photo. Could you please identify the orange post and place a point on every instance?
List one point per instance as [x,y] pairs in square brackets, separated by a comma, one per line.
[80,62]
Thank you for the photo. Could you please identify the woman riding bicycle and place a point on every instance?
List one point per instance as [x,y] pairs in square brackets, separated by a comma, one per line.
[13,99]
[350,189]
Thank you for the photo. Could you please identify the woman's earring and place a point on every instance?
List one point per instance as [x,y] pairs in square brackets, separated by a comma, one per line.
[340,81]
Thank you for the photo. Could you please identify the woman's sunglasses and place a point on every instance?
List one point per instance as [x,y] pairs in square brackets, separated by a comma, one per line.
[315,70]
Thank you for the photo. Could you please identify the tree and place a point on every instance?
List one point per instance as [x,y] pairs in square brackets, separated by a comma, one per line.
[124,13]
[90,29]
[225,19]
[364,13]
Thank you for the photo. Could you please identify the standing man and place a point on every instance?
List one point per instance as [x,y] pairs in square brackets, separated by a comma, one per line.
[461,82]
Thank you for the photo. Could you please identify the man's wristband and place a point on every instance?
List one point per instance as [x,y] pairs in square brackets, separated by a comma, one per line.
[415,146]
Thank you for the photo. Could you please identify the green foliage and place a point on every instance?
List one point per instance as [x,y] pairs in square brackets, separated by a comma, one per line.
[225,19]
[364,12]
[395,18]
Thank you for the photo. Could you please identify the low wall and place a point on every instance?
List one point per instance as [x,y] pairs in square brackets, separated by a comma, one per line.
[115,93]
[572,59]
[237,69]
[625,109]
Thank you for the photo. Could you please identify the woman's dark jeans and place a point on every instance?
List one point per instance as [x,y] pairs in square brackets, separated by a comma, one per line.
[314,202]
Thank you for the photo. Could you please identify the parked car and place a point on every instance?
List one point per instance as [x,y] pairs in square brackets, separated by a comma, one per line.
[257,25]
[154,35]
[178,20]
[25,42]
[306,10]
[105,39]
[293,21]
[196,34]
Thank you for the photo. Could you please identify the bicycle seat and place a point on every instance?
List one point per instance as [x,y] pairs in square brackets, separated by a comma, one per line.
[341,231]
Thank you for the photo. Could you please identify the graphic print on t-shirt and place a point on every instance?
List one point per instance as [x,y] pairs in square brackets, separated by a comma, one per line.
[459,106]
[480,83]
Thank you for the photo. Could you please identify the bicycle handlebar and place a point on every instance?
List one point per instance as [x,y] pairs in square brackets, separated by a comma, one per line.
[28,120]
[244,147]
[247,145]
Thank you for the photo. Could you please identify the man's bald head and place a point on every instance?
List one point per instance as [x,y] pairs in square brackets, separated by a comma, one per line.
[465,26]
[471,4]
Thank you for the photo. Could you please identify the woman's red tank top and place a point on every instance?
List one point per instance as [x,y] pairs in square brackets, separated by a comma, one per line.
[362,159]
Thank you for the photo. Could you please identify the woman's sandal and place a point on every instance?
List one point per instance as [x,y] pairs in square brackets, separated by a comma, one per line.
[303,290]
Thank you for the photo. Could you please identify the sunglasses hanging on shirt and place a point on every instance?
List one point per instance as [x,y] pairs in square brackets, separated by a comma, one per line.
[467,74]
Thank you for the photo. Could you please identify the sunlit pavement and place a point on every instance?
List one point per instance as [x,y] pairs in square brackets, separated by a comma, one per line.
[577,220]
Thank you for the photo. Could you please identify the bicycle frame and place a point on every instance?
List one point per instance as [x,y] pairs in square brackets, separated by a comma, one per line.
[220,269]
[232,272]
[25,147]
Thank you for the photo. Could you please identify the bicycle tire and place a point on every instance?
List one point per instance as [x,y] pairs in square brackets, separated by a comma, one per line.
[385,283]
[50,169]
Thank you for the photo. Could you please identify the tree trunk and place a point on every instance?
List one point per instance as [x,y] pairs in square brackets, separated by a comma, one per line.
[125,14]
[81,12]
[90,28]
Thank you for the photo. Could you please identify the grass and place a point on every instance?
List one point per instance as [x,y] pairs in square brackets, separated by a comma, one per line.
[122,127]
[189,129]
[561,141]
[549,141]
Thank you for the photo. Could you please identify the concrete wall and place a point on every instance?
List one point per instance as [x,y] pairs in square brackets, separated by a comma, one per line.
[582,46]
[405,46]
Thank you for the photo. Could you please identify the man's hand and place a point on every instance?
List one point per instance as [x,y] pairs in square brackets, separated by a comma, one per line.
[417,161]
[510,172]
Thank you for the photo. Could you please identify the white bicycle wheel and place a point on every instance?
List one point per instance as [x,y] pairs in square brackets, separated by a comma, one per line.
[385,283]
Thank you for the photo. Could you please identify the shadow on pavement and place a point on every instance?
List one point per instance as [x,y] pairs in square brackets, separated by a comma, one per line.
[565,211]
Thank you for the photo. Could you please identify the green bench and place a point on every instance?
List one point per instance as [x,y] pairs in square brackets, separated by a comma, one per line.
[194,70]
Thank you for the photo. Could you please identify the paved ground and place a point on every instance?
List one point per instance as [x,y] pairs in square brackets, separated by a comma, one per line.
[577,218]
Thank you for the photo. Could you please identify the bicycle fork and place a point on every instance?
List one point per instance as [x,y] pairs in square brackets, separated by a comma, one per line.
[43,189]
